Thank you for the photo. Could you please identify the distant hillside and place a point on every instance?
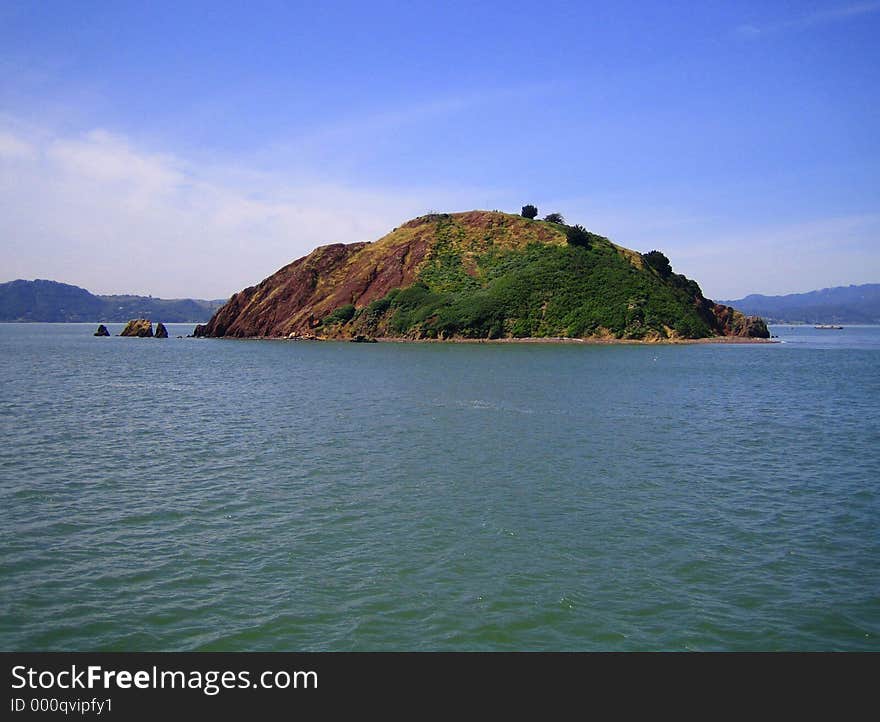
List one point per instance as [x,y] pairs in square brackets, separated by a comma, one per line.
[41,300]
[478,275]
[842,304]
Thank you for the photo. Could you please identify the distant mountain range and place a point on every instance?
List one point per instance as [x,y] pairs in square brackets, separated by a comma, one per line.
[842,304]
[41,300]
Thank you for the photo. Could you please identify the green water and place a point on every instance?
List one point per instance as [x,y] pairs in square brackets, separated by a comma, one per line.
[191,494]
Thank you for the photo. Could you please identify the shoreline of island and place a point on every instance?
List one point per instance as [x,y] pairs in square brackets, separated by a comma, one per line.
[590,341]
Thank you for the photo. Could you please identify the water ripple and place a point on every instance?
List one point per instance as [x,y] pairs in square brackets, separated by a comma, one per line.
[208,495]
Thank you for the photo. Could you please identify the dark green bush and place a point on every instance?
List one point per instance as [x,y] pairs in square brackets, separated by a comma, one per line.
[658,262]
[529,211]
[343,314]
[578,236]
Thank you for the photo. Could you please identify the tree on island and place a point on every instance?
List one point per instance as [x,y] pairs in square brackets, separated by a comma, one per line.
[659,262]
[578,236]
[529,211]
[554,218]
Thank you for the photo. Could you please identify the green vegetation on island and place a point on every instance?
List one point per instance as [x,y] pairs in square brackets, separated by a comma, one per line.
[480,275]
[584,287]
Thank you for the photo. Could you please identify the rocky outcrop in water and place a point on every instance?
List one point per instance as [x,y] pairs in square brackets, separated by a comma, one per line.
[161,331]
[102,331]
[140,328]
[735,323]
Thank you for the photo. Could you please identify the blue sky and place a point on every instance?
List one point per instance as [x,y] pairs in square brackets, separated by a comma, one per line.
[190,149]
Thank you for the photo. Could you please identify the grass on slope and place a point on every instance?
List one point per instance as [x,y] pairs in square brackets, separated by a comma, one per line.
[538,290]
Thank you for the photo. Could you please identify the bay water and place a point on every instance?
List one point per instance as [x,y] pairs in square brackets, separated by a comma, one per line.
[196,494]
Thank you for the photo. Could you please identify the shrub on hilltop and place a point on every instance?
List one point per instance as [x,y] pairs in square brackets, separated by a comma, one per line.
[658,262]
[578,236]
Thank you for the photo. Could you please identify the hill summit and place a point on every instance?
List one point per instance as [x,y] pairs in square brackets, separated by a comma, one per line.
[479,274]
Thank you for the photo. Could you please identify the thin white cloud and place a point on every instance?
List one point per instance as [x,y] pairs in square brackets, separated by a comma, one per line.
[819,17]
[12,147]
[102,156]
[96,210]
[356,134]
[841,13]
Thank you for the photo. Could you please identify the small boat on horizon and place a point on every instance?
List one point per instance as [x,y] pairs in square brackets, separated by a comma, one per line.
[828,326]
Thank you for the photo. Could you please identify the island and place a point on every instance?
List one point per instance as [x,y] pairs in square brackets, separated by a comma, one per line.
[480,275]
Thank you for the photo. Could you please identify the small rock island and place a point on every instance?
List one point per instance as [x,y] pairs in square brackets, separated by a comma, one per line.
[139,327]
